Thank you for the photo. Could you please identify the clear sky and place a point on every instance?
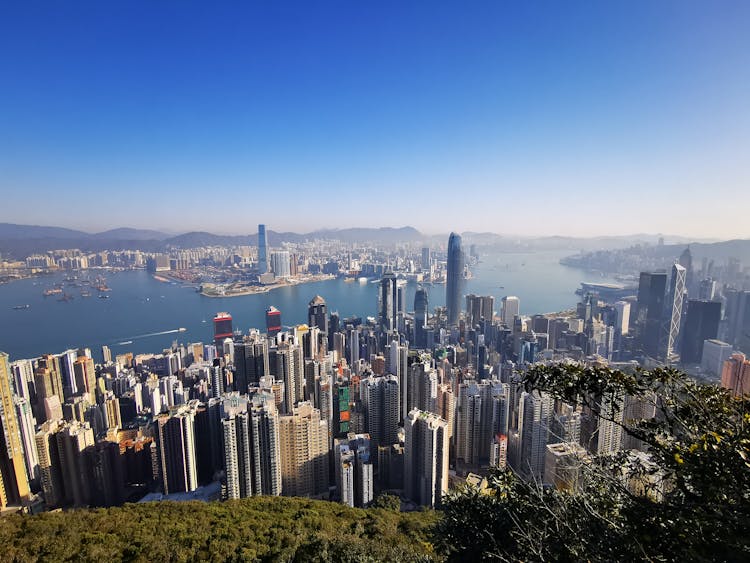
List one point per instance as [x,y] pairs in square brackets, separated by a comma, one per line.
[562,118]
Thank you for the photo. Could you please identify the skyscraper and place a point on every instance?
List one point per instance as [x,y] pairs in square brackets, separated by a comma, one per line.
[85,377]
[421,306]
[426,258]
[534,421]
[454,278]
[273,321]
[650,309]
[317,314]
[673,313]
[479,308]
[511,309]
[251,361]
[251,446]
[176,446]
[701,324]
[262,250]
[353,470]
[382,413]
[387,302]
[425,458]
[14,484]
[222,330]
[303,439]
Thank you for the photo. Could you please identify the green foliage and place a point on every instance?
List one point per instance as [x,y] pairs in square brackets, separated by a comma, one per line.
[388,502]
[691,502]
[255,529]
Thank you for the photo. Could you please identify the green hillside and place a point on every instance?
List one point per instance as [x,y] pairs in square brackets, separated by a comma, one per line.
[260,528]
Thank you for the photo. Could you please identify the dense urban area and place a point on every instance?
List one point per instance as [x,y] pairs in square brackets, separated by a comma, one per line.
[411,403]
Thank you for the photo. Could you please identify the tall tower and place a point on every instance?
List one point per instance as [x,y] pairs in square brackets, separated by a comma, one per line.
[421,305]
[317,314]
[511,309]
[701,324]
[222,330]
[534,421]
[251,446]
[14,484]
[387,302]
[262,250]
[273,321]
[650,308]
[425,457]
[176,442]
[382,413]
[454,278]
[673,312]
[251,361]
[303,440]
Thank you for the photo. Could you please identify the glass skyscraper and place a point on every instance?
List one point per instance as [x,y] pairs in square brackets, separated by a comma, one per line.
[454,278]
[262,250]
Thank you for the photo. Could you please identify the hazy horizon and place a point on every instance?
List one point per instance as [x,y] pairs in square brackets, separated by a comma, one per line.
[532,120]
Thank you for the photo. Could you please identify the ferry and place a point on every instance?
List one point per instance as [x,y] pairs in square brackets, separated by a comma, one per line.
[53,291]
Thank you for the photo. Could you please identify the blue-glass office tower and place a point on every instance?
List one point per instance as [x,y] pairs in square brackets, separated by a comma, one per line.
[454,278]
[421,305]
[262,250]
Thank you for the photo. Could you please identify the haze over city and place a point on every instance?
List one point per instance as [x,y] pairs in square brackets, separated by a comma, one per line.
[577,119]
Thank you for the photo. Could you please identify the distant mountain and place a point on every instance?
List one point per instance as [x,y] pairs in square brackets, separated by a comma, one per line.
[126,233]
[10,231]
[388,235]
[201,238]
[19,241]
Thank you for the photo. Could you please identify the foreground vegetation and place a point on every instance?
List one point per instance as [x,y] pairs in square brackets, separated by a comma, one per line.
[690,502]
[260,528]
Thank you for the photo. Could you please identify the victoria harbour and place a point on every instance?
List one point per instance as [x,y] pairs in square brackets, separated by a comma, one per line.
[143,315]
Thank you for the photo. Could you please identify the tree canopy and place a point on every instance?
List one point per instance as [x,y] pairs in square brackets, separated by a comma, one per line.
[693,498]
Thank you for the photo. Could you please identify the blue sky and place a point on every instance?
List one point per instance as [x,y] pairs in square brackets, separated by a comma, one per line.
[514,117]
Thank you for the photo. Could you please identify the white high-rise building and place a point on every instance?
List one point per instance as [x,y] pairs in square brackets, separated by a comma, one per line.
[511,309]
[176,444]
[622,324]
[674,302]
[715,353]
[251,446]
[425,457]
[353,470]
[281,263]
[535,412]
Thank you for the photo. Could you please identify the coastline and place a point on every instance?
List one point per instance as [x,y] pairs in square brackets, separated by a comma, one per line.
[255,290]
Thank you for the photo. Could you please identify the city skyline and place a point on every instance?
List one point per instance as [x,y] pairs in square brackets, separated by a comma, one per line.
[608,110]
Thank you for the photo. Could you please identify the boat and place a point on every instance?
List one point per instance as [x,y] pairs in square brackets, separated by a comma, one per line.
[182,329]
[21,307]
[104,297]
[85,294]
[53,291]
[124,343]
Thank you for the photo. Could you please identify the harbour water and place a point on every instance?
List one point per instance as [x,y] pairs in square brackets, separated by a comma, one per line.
[143,315]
